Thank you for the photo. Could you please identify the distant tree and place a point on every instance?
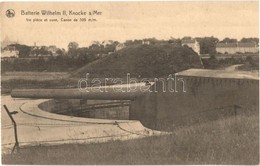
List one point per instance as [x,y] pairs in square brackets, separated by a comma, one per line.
[24,50]
[95,46]
[133,42]
[128,42]
[73,45]
[72,49]
[59,52]
[186,38]
[228,40]
[208,45]
[85,56]
[111,46]
[177,42]
[152,40]
[256,40]
[42,51]
[253,63]
[96,42]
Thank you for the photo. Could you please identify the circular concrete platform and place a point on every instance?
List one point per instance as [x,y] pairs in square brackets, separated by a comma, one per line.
[38,127]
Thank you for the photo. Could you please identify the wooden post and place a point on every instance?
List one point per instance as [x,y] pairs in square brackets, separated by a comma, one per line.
[16,145]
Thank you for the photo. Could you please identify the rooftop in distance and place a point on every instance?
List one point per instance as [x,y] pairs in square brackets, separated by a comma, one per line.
[220,74]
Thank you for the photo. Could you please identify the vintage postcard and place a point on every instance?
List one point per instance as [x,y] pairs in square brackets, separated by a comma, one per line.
[130,83]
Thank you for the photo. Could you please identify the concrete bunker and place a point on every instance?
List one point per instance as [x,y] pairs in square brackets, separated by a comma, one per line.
[199,95]
[209,95]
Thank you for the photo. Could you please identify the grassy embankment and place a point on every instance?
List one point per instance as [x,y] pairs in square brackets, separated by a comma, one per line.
[233,140]
[140,61]
[144,61]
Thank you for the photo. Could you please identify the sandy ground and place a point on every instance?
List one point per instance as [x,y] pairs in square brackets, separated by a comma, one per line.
[38,127]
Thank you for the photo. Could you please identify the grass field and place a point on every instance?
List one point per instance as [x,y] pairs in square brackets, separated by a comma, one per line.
[39,76]
[233,140]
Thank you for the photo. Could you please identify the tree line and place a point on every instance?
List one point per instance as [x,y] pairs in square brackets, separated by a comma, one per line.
[76,56]
[207,46]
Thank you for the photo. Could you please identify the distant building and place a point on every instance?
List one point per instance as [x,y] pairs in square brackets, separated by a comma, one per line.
[53,49]
[35,47]
[239,47]
[107,42]
[192,43]
[120,47]
[43,51]
[6,42]
[9,51]
[146,42]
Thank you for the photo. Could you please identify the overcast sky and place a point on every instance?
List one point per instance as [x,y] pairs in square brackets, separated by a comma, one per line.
[121,21]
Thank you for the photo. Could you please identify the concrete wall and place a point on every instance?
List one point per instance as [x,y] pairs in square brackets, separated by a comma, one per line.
[224,50]
[205,98]
[68,107]
[144,108]
[233,50]
[248,49]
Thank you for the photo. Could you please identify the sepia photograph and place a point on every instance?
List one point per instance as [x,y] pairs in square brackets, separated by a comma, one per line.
[130,83]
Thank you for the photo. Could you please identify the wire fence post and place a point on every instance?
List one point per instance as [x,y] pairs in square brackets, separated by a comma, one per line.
[16,145]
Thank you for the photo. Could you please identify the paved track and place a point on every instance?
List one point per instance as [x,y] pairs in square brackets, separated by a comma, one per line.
[233,67]
[38,127]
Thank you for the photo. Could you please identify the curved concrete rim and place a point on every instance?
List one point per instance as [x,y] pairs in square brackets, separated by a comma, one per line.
[38,127]
[32,108]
